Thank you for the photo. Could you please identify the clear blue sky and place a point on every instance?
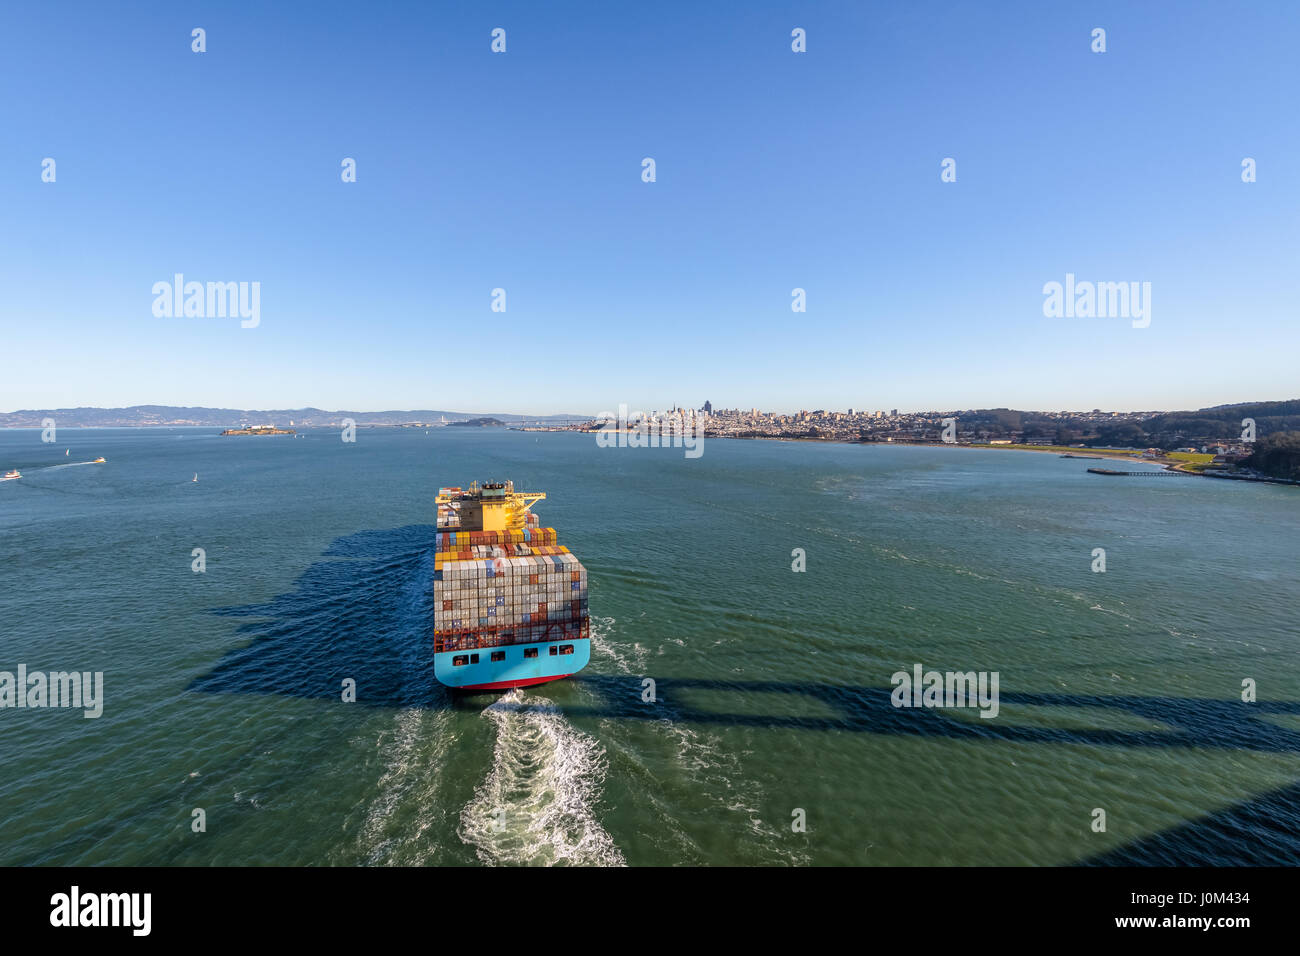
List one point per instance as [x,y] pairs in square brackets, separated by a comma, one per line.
[775,170]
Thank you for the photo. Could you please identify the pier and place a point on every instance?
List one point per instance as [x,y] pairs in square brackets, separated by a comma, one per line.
[1143,474]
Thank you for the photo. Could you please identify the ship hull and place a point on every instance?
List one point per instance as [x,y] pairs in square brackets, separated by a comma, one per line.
[512,684]
[460,670]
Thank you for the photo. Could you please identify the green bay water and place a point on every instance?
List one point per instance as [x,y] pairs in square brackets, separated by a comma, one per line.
[1118,690]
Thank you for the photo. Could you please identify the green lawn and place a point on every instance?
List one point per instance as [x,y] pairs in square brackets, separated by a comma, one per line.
[1192,461]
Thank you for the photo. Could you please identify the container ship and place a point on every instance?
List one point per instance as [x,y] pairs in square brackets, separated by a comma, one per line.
[510,602]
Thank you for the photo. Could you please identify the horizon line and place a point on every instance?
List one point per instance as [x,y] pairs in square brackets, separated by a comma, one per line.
[395,411]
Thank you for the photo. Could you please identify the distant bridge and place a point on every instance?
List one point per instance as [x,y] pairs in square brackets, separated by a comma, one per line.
[550,423]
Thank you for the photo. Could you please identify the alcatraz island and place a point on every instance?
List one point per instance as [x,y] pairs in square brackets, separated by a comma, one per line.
[258,430]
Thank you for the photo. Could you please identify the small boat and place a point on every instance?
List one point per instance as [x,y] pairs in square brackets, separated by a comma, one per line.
[196,477]
[99,461]
[67,452]
[11,475]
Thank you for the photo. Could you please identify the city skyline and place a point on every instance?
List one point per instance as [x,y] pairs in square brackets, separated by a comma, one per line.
[158,414]
[523,171]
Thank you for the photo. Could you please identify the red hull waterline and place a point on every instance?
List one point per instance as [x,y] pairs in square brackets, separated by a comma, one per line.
[509,684]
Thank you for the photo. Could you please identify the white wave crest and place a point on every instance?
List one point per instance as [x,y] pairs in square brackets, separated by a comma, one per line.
[628,660]
[405,807]
[536,805]
[406,804]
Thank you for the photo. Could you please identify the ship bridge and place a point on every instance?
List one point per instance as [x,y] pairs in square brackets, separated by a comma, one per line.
[492,506]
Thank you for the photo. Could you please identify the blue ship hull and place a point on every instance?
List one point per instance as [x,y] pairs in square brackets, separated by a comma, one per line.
[476,670]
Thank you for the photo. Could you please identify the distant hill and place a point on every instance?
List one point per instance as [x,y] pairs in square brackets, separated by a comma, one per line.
[480,422]
[1278,455]
[1203,426]
[1224,420]
[1132,429]
[135,415]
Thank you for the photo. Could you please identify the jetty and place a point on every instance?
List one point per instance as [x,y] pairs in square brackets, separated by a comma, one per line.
[1143,474]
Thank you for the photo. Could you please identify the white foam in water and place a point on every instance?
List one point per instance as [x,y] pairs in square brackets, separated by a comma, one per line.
[703,757]
[409,787]
[627,660]
[535,806]
[414,755]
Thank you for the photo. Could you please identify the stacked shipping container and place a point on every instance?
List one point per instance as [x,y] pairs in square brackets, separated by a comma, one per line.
[494,588]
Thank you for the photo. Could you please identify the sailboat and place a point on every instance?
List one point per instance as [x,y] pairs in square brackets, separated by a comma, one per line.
[196,477]
[66,452]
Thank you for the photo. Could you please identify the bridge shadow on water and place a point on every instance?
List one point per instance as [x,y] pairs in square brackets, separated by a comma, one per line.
[364,612]
[1262,831]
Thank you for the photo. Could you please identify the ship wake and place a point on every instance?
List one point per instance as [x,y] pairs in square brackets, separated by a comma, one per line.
[401,823]
[406,810]
[536,806]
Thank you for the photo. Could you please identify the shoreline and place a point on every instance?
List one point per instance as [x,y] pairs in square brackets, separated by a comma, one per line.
[1109,454]
[1051,449]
